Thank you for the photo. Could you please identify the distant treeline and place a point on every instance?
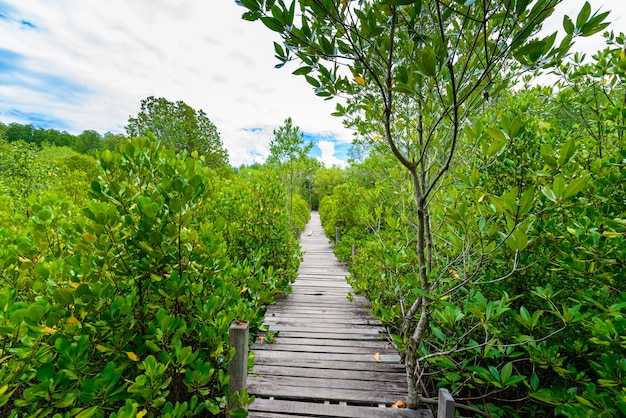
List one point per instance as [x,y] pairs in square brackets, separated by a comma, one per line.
[88,142]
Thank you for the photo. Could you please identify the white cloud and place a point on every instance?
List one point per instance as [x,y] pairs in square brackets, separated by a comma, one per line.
[100,59]
[328,155]
[197,51]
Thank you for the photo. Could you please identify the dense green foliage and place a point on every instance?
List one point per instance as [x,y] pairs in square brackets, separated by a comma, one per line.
[529,303]
[176,124]
[120,305]
[419,72]
[289,158]
[88,142]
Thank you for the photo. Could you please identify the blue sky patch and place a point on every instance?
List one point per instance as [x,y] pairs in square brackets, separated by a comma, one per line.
[253,130]
[6,10]
[28,24]
[38,120]
[9,61]
[14,72]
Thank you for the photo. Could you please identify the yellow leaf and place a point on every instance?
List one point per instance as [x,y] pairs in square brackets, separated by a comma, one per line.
[399,404]
[72,320]
[611,234]
[3,389]
[377,356]
[244,289]
[446,297]
[376,138]
[102,348]
[142,413]
[359,80]
[49,330]
[89,238]
[75,284]
[132,356]
[480,199]
[23,260]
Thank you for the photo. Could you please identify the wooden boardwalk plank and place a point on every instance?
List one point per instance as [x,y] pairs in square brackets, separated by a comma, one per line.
[328,356]
[315,373]
[290,409]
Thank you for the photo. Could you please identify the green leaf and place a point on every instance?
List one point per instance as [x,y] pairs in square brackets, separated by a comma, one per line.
[568,25]
[279,49]
[496,134]
[88,412]
[506,372]
[546,153]
[44,215]
[534,382]
[567,151]
[559,187]
[525,315]
[302,70]
[575,187]
[429,61]
[584,14]
[272,24]
[63,297]
[45,372]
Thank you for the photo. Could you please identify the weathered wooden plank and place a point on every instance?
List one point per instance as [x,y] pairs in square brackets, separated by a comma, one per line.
[278,390]
[340,330]
[331,364]
[289,356]
[269,415]
[307,382]
[327,345]
[325,342]
[331,335]
[329,349]
[338,323]
[330,317]
[292,408]
[398,375]
[313,312]
[308,306]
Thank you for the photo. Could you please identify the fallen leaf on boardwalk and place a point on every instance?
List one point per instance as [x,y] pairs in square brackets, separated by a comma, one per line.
[377,356]
[261,339]
[399,404]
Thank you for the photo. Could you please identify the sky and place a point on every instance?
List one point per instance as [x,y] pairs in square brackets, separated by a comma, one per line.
[75,65]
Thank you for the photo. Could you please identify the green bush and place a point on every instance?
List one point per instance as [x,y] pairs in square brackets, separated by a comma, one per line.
[123,308]
[300,212]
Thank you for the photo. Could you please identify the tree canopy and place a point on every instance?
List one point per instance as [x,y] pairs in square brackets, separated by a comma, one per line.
[415,73]
[178,125]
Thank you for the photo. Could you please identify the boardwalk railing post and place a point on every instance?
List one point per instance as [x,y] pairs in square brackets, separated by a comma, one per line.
[337,236]
[238,366]
[298,232]
[445,408]
[354,250]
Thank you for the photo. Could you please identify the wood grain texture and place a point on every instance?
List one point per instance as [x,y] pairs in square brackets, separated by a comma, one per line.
[328,356]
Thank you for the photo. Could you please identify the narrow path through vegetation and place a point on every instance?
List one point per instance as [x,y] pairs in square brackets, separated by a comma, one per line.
[325,355]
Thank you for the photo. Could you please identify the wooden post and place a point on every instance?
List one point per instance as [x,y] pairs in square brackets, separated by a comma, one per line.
[298,232]
[445,408]
[354,250]
[337,236]
[238,366]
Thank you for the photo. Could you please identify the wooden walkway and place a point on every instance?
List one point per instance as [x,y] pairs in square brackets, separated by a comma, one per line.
[329,358]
